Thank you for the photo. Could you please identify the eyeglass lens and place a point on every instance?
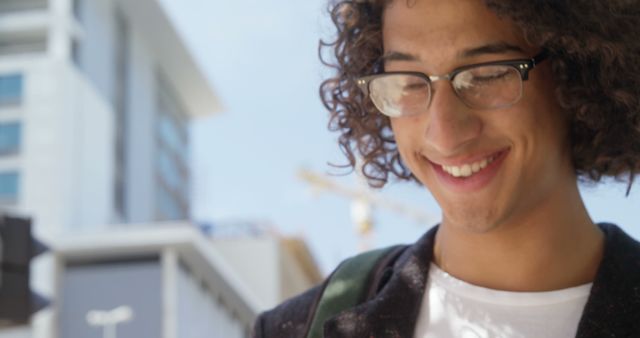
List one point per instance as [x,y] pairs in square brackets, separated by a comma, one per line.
[484,87]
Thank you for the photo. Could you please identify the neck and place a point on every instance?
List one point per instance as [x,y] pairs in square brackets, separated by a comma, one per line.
[553,247]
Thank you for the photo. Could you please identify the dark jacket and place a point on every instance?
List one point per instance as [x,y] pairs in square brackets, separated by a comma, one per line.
[397,286]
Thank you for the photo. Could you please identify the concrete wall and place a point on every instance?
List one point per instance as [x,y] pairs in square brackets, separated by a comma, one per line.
[294,279]
[98,40]
[199,314]
[257,262]
[267,266]
[67,147]
[94,141]
[16,332]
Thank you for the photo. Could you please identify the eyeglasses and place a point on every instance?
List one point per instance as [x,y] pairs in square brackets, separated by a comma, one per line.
[489,85]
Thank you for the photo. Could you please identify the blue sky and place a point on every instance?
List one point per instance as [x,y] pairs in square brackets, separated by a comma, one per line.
[261,58]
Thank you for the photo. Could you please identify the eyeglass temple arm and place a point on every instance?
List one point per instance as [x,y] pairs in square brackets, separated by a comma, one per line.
[526,68]
[540,57]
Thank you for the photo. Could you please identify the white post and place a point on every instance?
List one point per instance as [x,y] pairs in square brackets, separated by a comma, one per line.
[109,320]
[109,331]
[170,293]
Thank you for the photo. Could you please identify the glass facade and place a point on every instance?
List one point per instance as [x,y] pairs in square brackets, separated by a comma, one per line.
[171,133]
[172,156]
[120,99]
[23,42]
[10,138]
[8,6]
[11,89]
[76,6]
[75,53]
[168,169]
[169,207]
[9,182]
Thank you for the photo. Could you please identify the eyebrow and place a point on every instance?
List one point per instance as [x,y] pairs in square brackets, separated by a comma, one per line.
[492,48]
[398,56]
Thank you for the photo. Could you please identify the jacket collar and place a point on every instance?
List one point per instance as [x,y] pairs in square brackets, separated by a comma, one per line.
[611,311]
[392,313]
[613,307]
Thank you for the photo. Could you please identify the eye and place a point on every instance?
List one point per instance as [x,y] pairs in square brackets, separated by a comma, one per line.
[483,76]
[489,73]
[415,85]
[488,77]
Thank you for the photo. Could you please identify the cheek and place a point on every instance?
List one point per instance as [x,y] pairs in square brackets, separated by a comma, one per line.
[405,134]
[538,119]
[539,136]
[536,136]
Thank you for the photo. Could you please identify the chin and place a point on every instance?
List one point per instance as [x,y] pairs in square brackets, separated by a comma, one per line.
[470,220]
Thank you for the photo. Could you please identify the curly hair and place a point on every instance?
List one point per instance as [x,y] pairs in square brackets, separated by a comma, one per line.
[595,57]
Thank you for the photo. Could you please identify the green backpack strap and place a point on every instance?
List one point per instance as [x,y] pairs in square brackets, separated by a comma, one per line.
[346,287]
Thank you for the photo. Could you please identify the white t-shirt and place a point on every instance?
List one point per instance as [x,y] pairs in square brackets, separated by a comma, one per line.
[456,309]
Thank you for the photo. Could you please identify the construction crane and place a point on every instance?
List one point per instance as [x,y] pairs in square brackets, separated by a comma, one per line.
[363,200]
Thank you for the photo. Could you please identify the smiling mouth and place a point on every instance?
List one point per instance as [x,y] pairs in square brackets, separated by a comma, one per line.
[469,169]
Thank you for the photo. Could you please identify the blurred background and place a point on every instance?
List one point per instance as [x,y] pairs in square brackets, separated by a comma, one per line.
[172,160]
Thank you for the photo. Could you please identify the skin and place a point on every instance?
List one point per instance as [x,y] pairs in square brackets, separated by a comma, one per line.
[526,229]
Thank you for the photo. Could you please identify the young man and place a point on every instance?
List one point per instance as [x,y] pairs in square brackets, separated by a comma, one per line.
[496,107]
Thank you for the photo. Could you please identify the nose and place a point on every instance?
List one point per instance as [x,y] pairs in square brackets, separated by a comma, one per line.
[451,125]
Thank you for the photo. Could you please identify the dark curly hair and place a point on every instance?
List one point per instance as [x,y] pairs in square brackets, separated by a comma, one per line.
[595,57]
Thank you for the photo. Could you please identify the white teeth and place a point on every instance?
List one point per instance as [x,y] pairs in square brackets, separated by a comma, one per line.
[467,170]
[475,167]
[455,171]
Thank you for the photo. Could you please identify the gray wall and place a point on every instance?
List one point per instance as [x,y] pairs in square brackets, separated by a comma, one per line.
[107,285]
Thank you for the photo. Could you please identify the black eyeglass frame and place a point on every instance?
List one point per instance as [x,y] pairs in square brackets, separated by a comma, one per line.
[523,66]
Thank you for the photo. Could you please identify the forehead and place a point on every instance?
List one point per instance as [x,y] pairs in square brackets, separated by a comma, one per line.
[434,29]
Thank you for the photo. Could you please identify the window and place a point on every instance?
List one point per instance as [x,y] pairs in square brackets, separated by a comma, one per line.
[8,6]
[169,170]
[120,99]
[172,168]
[9,186]
[10,135]
[76,53]
[10,89]
[77,9]
[169,133]
[23,42]
[169,207]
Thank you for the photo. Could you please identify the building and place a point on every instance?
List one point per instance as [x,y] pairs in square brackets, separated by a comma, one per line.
[95,94]
[174,280]
[275,268]
[95,100]
[175,283]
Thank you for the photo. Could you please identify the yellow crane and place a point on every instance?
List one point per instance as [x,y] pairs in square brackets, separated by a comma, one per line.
[363,201]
